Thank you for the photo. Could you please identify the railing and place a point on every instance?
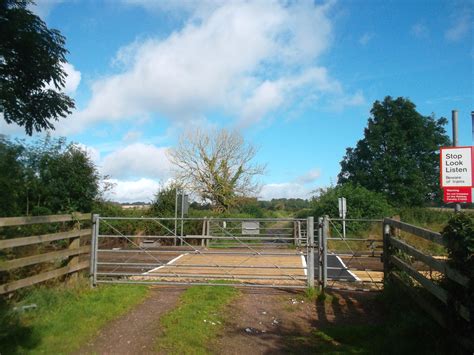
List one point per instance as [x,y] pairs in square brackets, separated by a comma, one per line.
[407,266]
[70,254]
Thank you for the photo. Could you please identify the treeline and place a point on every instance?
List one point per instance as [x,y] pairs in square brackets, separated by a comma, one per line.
[47,176]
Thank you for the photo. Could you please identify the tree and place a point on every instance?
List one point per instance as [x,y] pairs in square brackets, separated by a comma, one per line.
[46,177]
[31,58]
[217,167]
[164,203]
[399,154]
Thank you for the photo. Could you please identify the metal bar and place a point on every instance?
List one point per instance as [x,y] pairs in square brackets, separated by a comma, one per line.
[310,231]
[356,219]
[211,219]
[201,252]
[200,276]
[170,283]
[202,265]
[349,239]
[325,249]
[93,252]
[96,247]
[245,237]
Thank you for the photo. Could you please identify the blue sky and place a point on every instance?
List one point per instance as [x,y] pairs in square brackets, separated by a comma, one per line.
[297,79]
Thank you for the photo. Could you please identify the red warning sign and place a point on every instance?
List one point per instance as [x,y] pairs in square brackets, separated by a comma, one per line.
[458,194]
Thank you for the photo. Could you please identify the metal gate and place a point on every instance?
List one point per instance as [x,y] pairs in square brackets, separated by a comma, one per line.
[352,261]
[265,252]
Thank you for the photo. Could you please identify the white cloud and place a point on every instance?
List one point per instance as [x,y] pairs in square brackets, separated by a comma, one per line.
[132,136]
[72,81]
[92,153]
[242,58]
[137,160]
[420,30]
[366,38]
[309,176]
[460,27]
[133,190]
[285,190]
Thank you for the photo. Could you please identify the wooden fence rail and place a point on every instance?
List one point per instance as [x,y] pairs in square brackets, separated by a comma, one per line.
[398,269]
[72,252]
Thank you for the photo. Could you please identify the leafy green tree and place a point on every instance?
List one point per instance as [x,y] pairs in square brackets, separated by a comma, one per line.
[48,176]
[399,154]
[11,177]
[31,58]
[361,203]
[164,202]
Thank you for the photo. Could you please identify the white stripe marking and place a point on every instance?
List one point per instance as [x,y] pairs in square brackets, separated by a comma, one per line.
[347,269]
[168,263]
[303,261]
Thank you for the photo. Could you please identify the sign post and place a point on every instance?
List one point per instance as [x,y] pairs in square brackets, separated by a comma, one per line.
[457,180]
[342,213]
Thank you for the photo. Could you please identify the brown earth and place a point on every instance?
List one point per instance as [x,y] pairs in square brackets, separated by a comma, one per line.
[261,321]
[135,332]
[258,322]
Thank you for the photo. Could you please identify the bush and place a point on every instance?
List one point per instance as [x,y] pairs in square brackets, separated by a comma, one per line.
[459,236]
[361,203]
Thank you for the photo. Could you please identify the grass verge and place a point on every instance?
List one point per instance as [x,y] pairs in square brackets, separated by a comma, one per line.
[64,318]
[195,323]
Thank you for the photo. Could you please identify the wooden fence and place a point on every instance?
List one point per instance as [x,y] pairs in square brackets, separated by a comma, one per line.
[400,259]
[72,252]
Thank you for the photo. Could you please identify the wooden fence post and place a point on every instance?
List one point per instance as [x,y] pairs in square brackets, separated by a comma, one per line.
[386,231]
[74,244]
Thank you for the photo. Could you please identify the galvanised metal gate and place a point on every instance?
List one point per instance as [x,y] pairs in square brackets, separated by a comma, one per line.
[257,252]
[352,261]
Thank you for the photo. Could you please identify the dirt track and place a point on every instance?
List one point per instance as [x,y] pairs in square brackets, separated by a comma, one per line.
[259,321]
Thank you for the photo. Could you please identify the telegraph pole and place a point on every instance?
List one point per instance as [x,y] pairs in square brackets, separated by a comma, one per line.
[457,207]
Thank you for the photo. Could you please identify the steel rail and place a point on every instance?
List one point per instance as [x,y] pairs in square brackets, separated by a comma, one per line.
[171,283]
[202,266]
[200,276]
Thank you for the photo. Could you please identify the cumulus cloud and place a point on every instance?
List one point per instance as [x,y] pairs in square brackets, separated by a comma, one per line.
[133,190]
[301,187]
[137,160]
[285,190]
[242,58]
[73,79]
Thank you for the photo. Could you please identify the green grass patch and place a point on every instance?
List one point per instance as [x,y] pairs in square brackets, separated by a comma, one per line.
[64,317]
[194,324]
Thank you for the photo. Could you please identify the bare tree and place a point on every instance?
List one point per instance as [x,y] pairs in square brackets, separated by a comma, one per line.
[217,166]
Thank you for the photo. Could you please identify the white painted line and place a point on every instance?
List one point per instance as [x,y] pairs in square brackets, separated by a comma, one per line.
[347,269]
[168,263]
[303,261]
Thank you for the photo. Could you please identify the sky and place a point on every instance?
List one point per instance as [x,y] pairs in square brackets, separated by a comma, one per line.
[296,78]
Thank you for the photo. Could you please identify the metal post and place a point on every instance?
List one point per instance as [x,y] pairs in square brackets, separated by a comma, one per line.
[204,224]
[93,238]
[310,229]
[95,247]
[182,213]
[320,251]
[175,215]
[457,207]
[325,249]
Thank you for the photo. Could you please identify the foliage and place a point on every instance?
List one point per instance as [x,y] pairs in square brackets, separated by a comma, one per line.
[361,203]
[193,325]
[217,167]
[425,217]
[65,317]
[399,154]
[285,204]
[459,236]
[164,202]
[46,177]
[31,69]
